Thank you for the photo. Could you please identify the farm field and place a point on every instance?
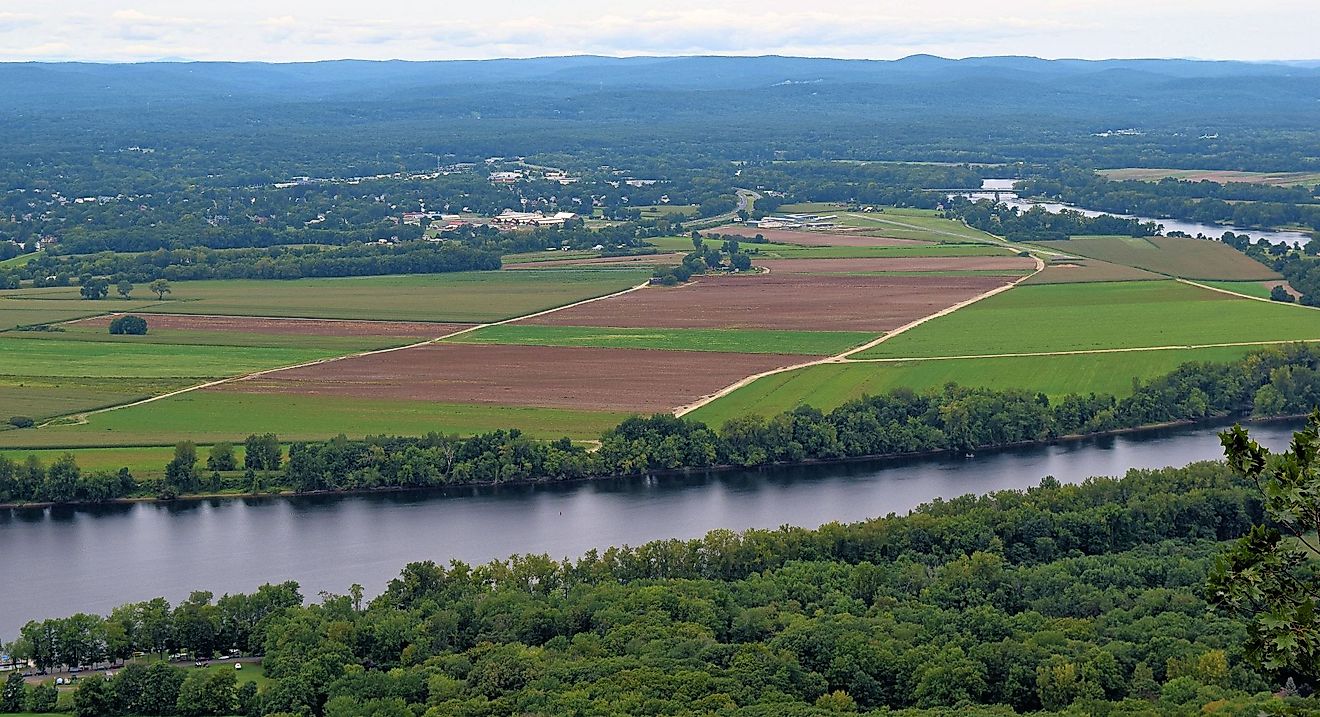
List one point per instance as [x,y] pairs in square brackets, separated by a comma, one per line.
[565,377]
[335,337]
[818,343]
[641,260]
[1069,317]
[41,397]
[789,251]
[1222,176]
[917,225]
[25,307]
[1003,265]
[140,461]
[207,417]
[827,386]
[106,360]
[1082,270]
[1174,256]
[456,297]
[790,301]
[810,238]
[1258,289]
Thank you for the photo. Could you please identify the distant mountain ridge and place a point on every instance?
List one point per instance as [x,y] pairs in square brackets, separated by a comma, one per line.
[339,77]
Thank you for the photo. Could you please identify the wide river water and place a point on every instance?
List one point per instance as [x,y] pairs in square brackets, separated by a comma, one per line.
[55,562]
[1190,228]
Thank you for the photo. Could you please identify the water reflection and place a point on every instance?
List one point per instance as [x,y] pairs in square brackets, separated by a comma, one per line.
[59,561]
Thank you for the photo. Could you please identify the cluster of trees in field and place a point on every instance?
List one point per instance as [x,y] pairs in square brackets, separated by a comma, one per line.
[1037,224]
[1240,203]
[703,258]
[1301,267]
[267,263]
[1076,599]
[1272,382]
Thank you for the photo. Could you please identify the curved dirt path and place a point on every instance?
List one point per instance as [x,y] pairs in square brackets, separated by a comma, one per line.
[80,418]
[844,356]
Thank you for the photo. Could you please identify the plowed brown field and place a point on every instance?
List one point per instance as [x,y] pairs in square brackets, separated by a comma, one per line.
[780,301]
[558,377]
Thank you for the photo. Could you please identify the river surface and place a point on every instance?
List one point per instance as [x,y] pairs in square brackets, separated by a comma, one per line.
[55,562]
[1189,228]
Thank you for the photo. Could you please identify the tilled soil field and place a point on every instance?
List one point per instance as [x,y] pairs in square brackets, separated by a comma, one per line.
[641,380]
[807,302]
[306,327]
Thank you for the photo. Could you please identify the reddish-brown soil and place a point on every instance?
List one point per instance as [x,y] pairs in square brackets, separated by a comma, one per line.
[305,327]
[920,263]
[1287,287]
[641,259]
[780,301]
[643,380]
[820,238]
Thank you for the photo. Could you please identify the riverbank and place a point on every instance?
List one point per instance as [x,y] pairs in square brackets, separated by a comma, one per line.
[287,493]
[111,554]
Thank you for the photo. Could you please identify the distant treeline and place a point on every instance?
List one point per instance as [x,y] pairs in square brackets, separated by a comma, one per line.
[880,183]
[1037,224]
[267,263]
[1271,382]
[1072,599]
[1240,203]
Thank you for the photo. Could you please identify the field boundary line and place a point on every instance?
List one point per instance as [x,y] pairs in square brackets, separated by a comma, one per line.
[843,356]
[1082,352]
[81,417]
[1245,296]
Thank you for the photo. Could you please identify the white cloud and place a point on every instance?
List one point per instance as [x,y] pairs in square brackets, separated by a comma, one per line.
[413,29]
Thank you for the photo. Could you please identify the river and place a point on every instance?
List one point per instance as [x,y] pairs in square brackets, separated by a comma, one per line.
[55,562]
[1189,228]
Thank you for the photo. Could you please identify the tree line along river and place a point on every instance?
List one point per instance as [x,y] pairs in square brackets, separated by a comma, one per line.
[58,561]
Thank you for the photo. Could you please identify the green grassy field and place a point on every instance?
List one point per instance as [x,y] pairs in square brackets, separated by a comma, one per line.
[18,308]
[921,225]
[1066,317]
[1258,289]
[527,257]
[460,296]
[141,461]
[1174,256]
[95,359]
[1081,270]
[790,251]
[829,385]
[40,397]
[657,211]
[192,337]
[819,343]
[212,416]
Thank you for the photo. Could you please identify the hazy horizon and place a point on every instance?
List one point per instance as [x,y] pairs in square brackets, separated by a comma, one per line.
[306,30]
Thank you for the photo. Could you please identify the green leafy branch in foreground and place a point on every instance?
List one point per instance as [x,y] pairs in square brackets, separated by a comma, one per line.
[1269,576]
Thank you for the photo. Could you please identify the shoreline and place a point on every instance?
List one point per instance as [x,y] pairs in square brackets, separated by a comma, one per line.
[724,468]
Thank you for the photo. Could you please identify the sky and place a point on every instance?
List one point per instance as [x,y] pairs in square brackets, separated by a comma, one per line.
[301,30]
